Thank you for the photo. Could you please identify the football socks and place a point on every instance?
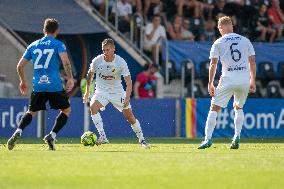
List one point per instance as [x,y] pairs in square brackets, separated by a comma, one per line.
[210,124]
[60,121]
[137,130]
[97,119]
[238,121]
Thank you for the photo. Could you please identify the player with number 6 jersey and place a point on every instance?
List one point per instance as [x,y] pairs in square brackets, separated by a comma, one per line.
[46,55]
[237,57]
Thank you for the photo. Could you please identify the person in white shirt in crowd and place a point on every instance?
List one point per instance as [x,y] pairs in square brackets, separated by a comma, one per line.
[153,32]
[124,13]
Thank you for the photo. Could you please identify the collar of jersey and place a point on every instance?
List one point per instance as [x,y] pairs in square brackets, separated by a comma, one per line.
[111,61]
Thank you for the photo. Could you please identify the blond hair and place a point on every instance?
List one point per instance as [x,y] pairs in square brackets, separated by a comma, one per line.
[108,41]
[224,20]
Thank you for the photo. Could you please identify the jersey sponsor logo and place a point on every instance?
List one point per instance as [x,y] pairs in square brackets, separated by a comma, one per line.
[44,79]
[107,77]
[48,42]
[237,68]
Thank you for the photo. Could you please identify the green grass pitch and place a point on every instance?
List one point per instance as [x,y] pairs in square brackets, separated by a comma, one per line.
[170,163]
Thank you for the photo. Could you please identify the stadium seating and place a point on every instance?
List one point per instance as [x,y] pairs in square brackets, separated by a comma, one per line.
[204,71]
[188,70]
[273,89]
[266,72]
[281,73]
[173,73]
[197,89]
[257,93]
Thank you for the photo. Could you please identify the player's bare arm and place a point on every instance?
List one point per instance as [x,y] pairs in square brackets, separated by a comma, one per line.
[128,82]
[212,72]
[21,73]
[90,76]
[68,70]
[252,69]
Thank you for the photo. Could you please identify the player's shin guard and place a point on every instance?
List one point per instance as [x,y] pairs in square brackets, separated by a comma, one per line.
[97,119]
[239,121]
[25,121]
[137,130]
[60,121]
[210,124]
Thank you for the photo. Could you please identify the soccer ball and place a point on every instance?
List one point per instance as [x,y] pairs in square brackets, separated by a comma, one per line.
[88,138]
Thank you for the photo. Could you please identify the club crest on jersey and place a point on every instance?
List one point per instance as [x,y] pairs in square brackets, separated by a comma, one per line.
[44,79]
[113,71]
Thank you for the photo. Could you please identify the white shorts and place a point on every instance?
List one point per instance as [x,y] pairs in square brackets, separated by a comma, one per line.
[224,93]
[117,100]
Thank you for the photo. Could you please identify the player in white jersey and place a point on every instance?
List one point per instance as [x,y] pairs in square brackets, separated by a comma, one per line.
[237,57]
[109,68]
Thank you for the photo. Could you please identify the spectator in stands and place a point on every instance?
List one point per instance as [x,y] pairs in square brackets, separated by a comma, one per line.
[124,13]
[146,82]
[186,33]
[152,8]
[189,8]
[101,5]
[153,32]
[209,33]
[276,16]
[208,8]
[198,25]
[237,26]
[263,26]
[219,8]
[136,6]
[175,28]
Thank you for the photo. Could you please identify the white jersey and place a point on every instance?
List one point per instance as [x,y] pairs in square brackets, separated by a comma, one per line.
[108,74]
[233,50]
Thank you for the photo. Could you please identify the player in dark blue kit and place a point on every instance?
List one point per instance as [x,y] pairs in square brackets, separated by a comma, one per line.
[46,55]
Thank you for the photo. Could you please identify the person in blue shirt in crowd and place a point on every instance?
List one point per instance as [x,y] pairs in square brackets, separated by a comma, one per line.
[46,55]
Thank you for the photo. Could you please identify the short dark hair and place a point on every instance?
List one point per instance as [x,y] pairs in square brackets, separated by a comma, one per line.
[50,25]
[156,15]
[108,41]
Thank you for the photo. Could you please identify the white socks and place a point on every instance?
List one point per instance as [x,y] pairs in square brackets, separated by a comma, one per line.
[239,121]
[210,124]
[97,119]
[137,130]
[53,134]
[18,130]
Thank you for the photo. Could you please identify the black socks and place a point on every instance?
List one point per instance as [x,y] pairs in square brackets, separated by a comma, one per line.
[60,121]
[25,121]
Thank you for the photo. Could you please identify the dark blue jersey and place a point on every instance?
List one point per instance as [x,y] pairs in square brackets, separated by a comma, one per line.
[44,54]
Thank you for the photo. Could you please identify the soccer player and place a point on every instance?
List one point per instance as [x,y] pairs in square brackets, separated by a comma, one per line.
[237,57]
[46,55]
[109,67]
